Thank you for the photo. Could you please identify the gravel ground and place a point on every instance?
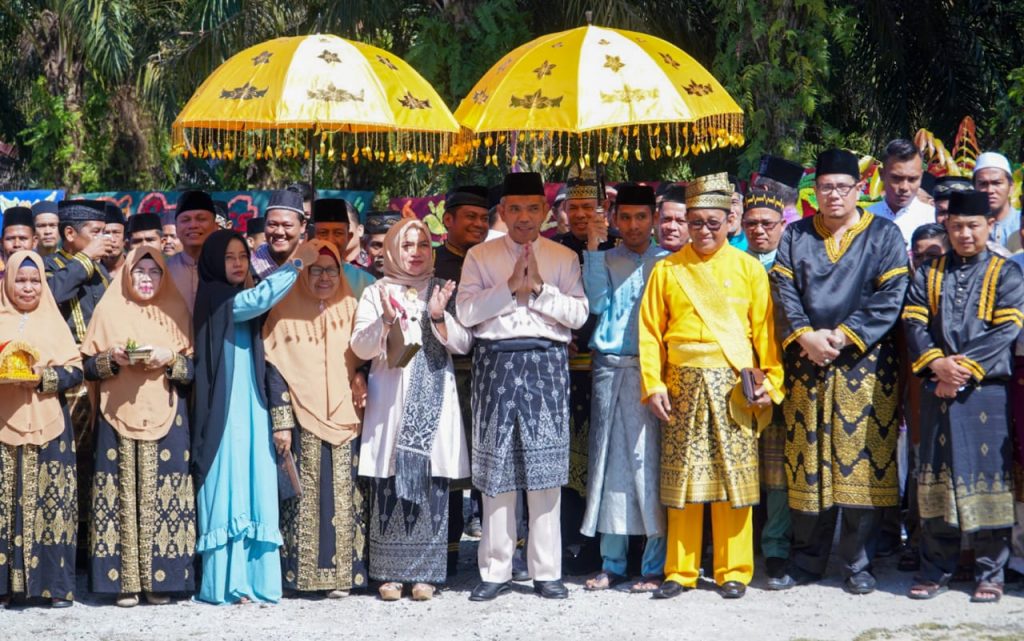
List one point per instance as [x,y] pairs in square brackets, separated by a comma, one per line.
[816,612]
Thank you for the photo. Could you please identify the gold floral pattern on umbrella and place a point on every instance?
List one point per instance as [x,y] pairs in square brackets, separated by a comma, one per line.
[357,99]
[630,93]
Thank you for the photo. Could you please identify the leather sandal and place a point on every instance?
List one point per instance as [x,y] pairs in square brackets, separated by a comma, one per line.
[987,592]
[603,581]
[390,591]
[337,594]
[925,590]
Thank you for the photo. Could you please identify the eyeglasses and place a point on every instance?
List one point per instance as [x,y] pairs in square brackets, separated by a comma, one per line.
[712,225]
[842,190]
[331,272]
[767,224]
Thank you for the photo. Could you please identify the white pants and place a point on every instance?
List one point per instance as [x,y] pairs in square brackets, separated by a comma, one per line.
[544,543]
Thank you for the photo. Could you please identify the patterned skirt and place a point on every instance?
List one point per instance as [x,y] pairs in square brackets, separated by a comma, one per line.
[408,541]
[39,518]
[520,417]
[324,534]
[142,530]
[964,476]
[705,456]
[842,425]
[773,453]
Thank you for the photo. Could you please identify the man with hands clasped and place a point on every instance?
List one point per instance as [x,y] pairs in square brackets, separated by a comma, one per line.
[839,279]
[521,295]
[962,315]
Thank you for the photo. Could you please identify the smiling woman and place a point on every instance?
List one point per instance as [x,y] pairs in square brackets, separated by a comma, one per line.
[141,485]
[39,498]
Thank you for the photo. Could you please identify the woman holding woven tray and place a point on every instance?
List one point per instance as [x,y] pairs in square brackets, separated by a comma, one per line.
[38,486]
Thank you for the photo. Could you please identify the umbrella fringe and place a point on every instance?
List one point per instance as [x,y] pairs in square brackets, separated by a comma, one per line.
[632,142]
[220,142]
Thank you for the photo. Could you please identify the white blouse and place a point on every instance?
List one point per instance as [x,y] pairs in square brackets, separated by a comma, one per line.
[382,419]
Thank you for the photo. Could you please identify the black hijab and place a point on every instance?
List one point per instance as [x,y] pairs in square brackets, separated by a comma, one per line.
[213,320]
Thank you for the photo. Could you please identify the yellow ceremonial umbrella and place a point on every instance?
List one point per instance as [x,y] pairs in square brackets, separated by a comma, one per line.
[629,92]
[266,100]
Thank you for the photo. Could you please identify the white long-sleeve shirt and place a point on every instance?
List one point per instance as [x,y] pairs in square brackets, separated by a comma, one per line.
[488,307]
[387,386]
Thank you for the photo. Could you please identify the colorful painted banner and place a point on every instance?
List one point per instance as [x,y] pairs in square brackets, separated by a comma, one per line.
[28,197]
[242,205]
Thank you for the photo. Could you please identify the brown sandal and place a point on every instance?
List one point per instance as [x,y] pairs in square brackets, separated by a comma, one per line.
[925,590]
[603,581]
[987,592]
[645,584]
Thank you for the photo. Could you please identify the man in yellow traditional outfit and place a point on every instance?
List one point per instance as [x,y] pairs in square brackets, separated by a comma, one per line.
[706,316]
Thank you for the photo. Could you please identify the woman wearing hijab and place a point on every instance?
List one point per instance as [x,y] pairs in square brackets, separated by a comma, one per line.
[38,487]
[232,454]
[311,379]
[143,517]
[412,443]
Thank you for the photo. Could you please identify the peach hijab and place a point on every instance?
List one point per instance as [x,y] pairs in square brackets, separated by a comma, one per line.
[139,403]
[26,416]
[308,343]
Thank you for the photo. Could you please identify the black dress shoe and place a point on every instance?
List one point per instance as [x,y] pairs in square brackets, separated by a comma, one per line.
[783,582]
[551,589]
[487,591]
[733,590]
[802,577]
[668,590]
[860,583]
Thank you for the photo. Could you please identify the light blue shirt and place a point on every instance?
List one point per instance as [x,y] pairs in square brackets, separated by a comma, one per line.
[1005,229]
[614,281]
[358,279]
[767,260]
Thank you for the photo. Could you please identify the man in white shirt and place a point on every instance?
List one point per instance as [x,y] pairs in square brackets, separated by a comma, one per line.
[902,169]
[194,222]
[521,295]
[992,175]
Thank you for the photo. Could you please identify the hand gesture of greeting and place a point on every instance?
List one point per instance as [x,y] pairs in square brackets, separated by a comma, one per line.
[439,299]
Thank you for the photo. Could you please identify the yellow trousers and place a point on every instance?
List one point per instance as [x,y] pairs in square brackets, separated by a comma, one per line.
[733,532]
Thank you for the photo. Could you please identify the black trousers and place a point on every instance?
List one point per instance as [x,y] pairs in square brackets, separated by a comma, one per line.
[813,535]
[940,552]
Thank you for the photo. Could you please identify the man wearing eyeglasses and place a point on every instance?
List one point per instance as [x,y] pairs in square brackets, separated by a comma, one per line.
[706,324]
[763,222]
[839,280]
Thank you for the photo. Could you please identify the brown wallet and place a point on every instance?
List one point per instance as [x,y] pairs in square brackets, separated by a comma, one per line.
[752,378]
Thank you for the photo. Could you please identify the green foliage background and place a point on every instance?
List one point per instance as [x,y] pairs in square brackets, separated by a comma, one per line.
[93,85]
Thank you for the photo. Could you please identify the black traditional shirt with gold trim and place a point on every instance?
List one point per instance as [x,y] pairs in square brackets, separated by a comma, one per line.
[855,284]
[968,306]
[842,419]
[971,307]
[77,283]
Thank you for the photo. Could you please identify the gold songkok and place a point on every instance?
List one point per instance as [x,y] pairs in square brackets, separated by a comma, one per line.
[713,191]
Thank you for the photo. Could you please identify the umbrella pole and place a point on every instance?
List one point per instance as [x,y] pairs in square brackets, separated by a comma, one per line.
[312,166]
